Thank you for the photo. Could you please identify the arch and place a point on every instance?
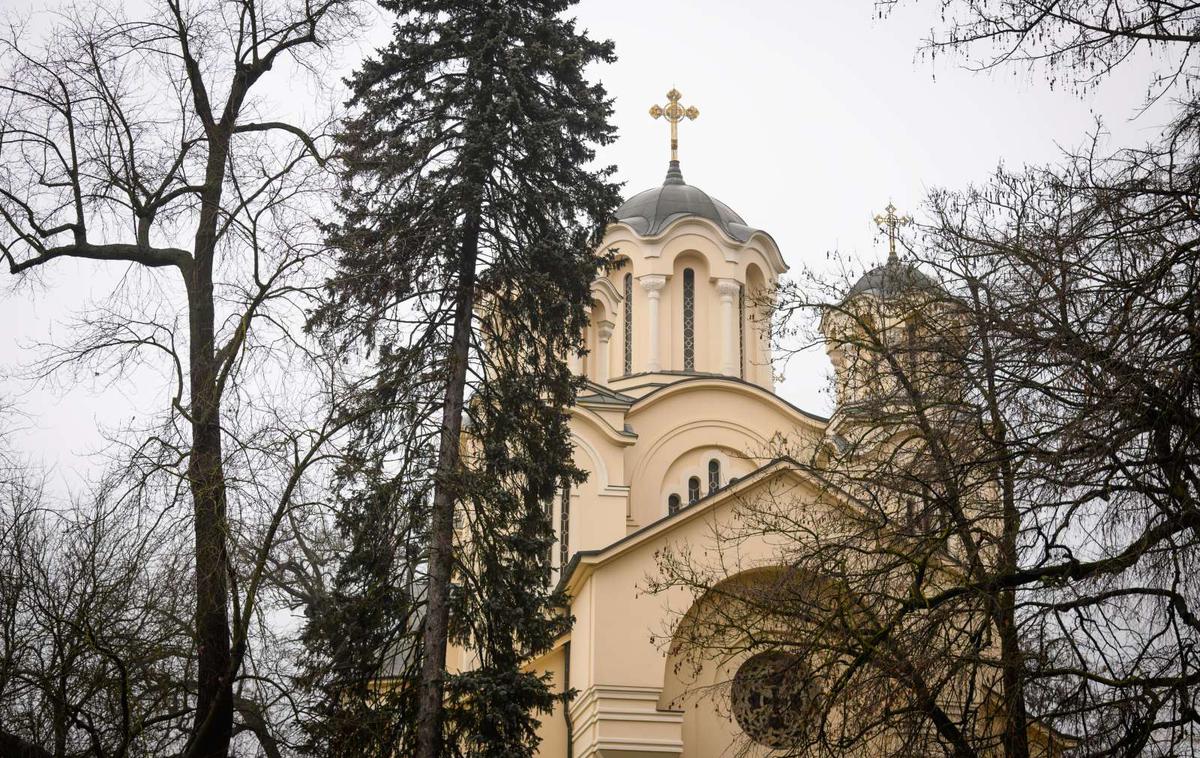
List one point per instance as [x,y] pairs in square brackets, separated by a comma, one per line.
[759,241]
[755,324]
[598,467]
[706,648]
[605,292]
[596,361]
[693,462]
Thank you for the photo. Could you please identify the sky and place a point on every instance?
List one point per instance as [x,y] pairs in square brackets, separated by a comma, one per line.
[813,115]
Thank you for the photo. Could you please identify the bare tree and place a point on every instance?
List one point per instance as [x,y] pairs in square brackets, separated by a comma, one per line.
[146,143]
[1079,42]
[1007,555]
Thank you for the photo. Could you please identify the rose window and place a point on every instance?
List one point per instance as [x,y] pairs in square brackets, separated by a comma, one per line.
[773,697]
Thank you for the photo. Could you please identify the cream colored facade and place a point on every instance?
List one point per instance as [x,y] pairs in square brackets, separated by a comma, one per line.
[680,404]
[671,395]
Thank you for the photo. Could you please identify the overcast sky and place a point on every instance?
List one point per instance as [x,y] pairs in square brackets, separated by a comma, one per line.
[813,115]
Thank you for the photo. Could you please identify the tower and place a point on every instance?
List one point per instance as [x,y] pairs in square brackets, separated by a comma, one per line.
[884,313]
[690,295]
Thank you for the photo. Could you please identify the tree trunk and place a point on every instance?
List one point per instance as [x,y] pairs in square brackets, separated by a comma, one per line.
[1015,738]
[445,493]
[213,727]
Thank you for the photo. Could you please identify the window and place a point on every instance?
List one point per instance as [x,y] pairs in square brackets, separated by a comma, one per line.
[693,489]
[910,352]
[673,504]
[689,320]
[564,527]
[628,324]
[741,331]
[714,476]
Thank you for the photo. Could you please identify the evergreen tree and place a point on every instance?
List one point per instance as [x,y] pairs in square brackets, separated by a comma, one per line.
[467,247]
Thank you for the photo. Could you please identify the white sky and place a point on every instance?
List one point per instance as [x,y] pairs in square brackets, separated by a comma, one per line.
[813,115]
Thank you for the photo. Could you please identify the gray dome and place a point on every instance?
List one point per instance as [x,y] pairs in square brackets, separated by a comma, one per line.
[892,279]
[649,212]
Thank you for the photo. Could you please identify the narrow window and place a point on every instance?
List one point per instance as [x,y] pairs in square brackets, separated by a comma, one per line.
[714,476]
[689,320]
[910,337]
[673,504]
[693,489]
[628,324]
[742,331]
[564,527]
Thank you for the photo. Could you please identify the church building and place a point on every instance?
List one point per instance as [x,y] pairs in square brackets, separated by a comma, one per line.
[678,423]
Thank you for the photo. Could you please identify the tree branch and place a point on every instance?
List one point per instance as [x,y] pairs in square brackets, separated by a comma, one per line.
[153,257]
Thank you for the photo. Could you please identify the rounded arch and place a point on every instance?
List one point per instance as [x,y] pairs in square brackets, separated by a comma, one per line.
[598,468]
[755,324]
[708,644]
[690,473]
[599,338]
[709,628]
[763,243]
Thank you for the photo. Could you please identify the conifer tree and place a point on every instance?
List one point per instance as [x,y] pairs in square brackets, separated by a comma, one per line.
[471,214]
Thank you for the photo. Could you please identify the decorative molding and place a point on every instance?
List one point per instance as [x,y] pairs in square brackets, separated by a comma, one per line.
[652,282]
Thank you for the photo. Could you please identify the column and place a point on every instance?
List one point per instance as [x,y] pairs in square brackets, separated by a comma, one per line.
[728,290]
[653,285]
[604,332]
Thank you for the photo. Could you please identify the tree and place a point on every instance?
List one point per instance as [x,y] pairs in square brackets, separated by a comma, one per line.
[469,220]
[145,143]
[1013,461]
[911,502]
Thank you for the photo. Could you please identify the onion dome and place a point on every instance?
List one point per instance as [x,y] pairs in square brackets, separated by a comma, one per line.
[892,279]
[649,213]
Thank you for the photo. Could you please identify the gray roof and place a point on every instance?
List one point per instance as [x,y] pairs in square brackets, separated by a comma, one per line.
[649,212]
[891,279]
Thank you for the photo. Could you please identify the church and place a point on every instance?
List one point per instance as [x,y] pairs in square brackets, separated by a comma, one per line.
[676,425]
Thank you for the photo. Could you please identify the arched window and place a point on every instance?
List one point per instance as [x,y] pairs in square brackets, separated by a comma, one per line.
[673,504]
[689,320]
[628,324]
[693,489]
[741,331]
[714,476]
[564,527]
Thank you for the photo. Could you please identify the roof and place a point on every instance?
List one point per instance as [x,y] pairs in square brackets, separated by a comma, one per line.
[891,279]
[690,510]
[652,211]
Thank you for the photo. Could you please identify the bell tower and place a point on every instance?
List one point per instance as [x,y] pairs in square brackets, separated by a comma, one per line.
[691,295]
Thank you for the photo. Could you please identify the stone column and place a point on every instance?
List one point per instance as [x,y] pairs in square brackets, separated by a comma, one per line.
[604,331]
[728,290]
[653,285]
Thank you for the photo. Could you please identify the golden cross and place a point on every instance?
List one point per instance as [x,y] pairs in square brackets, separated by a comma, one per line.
[674,113]
[893,222]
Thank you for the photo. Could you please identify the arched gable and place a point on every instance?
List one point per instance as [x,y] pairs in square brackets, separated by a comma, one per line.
[678,433]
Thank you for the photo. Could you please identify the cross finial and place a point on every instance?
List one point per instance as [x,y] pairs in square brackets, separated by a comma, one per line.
[674,113]
[893,223]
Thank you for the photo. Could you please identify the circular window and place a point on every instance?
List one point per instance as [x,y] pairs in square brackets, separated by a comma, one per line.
[773,696]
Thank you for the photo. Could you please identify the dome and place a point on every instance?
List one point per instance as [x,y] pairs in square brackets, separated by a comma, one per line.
[649,212]
[892,279]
